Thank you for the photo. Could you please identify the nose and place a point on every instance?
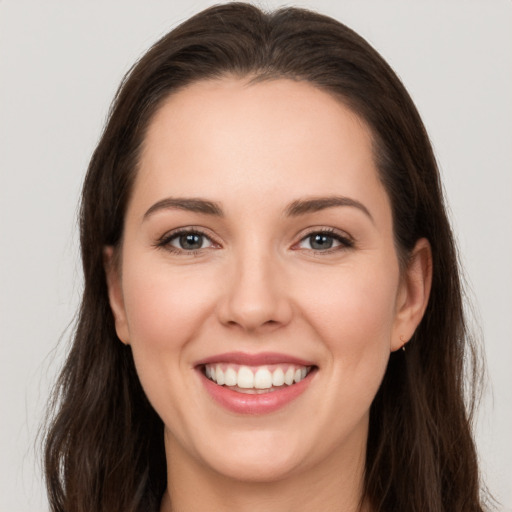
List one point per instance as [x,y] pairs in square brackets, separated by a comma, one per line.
[255,295]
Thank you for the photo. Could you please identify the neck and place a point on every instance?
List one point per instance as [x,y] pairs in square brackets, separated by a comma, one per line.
[330,487]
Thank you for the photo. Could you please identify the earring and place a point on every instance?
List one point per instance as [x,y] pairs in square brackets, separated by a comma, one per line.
[404,341]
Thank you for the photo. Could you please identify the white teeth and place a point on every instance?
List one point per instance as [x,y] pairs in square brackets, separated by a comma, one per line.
[245,378]
[288,376]
[230,377]
[278,377]
[261,378]
[220,376]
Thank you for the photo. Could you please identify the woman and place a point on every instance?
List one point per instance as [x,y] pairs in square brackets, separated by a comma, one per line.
[272,314]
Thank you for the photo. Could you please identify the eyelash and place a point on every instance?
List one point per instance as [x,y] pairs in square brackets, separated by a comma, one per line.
[344,241]
[165,241]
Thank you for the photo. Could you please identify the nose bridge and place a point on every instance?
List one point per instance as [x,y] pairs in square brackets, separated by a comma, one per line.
[255,292]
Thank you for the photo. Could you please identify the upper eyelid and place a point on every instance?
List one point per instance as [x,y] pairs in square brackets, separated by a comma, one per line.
[187,229]
[334,232]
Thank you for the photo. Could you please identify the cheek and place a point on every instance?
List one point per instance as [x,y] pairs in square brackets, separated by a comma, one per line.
[353,316]
[354,308]
[164,305]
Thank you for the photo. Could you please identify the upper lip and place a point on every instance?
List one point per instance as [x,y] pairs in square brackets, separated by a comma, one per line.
[259,359]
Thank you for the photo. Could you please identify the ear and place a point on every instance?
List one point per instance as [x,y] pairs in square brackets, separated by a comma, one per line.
[115,293]
[413,294]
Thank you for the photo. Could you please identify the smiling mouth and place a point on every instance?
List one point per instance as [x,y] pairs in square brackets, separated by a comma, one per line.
[256,379]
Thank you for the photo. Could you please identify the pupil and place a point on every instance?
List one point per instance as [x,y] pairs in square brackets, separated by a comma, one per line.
[320,241]
[191,241]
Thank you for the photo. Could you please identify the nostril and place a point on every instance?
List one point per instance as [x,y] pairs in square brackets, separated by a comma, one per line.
[249,325]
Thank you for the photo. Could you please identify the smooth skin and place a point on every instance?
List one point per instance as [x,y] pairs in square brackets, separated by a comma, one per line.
[255,276]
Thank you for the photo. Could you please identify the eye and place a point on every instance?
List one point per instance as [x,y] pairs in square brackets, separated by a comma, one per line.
[189,241]
[324,241]
[186,241]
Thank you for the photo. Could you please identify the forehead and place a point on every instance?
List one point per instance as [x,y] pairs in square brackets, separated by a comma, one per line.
[282,110]
[230,134]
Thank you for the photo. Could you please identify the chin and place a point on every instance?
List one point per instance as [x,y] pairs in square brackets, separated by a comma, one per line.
[256,458]
[255,469]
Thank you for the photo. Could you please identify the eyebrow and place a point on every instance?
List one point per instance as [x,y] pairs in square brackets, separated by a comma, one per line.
[315,204]
[294,209]
[191,205]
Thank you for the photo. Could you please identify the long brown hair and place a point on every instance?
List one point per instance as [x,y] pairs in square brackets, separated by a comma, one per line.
[104,448]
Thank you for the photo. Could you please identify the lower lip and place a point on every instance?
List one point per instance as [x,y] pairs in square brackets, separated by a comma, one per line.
[263,403]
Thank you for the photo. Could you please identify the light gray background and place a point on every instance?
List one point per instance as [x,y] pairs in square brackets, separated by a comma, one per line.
[60,63]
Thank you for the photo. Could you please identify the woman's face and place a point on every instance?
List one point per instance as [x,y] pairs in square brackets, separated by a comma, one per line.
[259,285]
